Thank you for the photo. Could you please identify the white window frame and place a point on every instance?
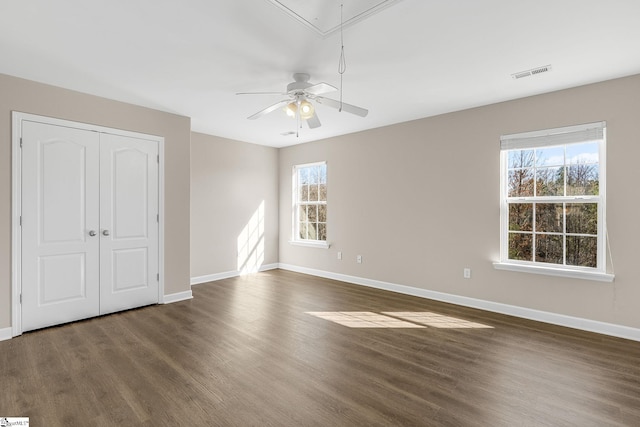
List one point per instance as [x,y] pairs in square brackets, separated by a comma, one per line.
[590,132]
[295,212]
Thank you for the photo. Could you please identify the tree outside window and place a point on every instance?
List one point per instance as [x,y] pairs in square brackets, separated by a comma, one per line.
[553,201]
[310,202]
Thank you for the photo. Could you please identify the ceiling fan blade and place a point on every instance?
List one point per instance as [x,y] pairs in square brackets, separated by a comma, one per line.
[313,122]
[320,88]
[269,109]
[260,93]
[358,111]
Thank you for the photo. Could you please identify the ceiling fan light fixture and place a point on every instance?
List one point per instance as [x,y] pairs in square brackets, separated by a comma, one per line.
[306,110]
[304,107]
[291,109]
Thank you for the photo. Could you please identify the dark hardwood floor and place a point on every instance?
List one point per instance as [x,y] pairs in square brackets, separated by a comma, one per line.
[246,352]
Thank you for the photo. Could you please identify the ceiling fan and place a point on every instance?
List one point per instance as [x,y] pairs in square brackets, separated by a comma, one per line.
[300,94]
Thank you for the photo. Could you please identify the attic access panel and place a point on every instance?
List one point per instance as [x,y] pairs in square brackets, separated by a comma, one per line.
[323,16]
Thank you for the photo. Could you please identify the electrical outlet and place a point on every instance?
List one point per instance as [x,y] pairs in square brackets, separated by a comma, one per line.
[359,259]
[466,273]
[339,255]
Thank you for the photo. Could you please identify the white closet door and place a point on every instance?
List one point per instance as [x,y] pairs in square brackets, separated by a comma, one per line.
[60,271]
[128,223]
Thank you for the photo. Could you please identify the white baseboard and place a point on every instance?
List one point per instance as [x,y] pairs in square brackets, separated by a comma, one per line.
[213,277]
[179,296]
[6,334]
[512,310]
[226,275]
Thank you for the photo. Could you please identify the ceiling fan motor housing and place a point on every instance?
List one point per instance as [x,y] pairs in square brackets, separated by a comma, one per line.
[300,84]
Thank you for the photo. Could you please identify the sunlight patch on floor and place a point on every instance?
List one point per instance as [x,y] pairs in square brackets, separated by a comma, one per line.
[363,319]
[367,319]
[437,320]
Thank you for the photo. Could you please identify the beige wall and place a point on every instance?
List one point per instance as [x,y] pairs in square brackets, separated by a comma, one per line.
[420,201]
[229,182]
[30,97]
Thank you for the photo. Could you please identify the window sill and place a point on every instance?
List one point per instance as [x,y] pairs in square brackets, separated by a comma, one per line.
[311,244]
[559,272]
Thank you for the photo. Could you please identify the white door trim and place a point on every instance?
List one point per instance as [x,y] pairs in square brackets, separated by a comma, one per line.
[16,202]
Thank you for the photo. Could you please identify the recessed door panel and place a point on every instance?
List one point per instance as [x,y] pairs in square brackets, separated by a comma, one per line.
[130,176]
[60,270]
[62,179]
[130,270]
[61,279]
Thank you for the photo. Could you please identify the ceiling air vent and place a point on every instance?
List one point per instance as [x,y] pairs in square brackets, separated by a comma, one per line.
[532,72]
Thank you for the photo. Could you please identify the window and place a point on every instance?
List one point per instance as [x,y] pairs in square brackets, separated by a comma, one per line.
[310,203]
[553,199]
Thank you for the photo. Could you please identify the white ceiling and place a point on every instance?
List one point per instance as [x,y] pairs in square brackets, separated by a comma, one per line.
[413,59]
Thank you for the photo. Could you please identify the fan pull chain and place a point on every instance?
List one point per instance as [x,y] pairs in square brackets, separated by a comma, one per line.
[298,118]
[342,63]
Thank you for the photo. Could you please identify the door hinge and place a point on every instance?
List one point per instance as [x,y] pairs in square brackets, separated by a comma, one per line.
[158,158]
[20,220]
[20,298]
[20,142]
[158,218]
[158,277]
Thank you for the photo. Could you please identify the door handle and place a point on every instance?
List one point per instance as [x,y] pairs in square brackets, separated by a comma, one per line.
[92,233]
[105,232]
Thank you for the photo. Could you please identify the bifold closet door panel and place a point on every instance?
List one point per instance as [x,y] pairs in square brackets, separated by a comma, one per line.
[60,224]
[128,222]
